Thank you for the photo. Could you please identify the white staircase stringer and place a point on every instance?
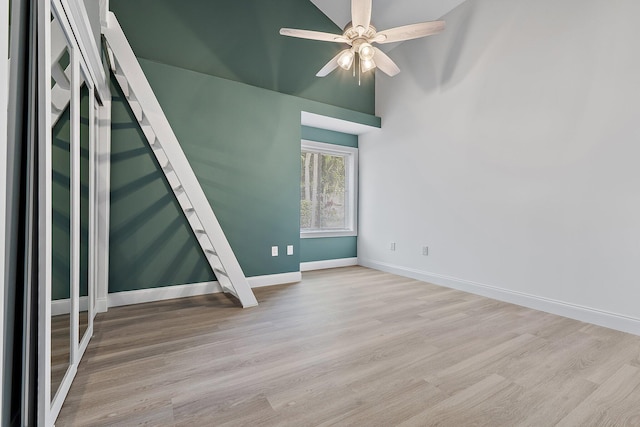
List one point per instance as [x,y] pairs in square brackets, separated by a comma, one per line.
[61,92]
[60,99]
[175,165]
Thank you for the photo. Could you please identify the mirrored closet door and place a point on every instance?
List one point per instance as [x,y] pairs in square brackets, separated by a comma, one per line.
[68,300]
[86,168]
[61,209]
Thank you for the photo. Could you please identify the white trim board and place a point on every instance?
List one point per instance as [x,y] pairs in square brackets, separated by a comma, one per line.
[334,124]
[573,311]
[79,20]
[63,306]
[102,304]
[140,296]
[274,279]
[329,263]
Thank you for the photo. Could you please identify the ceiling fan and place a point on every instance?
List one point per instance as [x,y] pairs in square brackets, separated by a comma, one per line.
[360,35]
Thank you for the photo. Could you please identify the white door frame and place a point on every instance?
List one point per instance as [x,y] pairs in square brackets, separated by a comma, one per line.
[102,204]
[45,217]
[83,342]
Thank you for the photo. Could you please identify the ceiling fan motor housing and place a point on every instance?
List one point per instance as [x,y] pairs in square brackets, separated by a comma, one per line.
[352,33]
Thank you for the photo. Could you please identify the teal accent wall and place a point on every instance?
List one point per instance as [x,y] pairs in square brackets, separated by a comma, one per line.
[243,144]
[326,248]
[330,136]
[61,202]
[240,132]
[151,243]
[240,41]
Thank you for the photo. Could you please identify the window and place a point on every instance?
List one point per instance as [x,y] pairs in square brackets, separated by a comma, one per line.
[328,190]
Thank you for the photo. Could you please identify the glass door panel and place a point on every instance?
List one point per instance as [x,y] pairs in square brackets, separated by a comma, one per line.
[85,98]
[61,250]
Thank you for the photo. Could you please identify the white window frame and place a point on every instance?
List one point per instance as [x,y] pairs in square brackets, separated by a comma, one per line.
[351,187]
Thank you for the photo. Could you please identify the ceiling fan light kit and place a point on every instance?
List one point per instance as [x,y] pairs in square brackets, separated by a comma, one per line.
[360,35]
[345,60]
[366,51]
[367,65]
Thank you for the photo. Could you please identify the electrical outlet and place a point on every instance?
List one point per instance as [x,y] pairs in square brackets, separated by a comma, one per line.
[392,247]
[425,250]
[274,251]
[289,249]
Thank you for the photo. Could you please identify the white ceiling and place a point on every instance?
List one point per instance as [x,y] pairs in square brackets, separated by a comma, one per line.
[389,13]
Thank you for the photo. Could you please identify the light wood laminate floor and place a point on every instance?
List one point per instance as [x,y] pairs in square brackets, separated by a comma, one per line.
[352,346]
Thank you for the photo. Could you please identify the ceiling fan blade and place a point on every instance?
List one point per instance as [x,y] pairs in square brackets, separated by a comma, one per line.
[361,14]
[331,65]
[408,32]
[385,64]
[313,35]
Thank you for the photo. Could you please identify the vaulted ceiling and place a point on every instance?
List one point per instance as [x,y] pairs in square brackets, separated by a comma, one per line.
[389,13]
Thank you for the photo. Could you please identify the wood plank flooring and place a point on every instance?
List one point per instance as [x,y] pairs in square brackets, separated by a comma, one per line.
[352,346]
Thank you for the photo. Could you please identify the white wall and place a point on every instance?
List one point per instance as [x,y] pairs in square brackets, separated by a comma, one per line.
[510,145]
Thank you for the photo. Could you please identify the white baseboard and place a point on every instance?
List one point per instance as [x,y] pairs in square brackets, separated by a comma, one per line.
[102,304]
[274,279]
[63,306]
[330,263]
[573,311]
[193,289]
[140,296]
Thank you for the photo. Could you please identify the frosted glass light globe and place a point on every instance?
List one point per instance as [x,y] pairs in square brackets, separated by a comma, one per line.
[366,51]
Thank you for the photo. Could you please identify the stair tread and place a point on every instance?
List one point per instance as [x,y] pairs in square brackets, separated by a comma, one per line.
[220,271]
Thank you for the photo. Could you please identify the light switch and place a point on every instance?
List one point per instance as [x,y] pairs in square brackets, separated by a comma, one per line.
[289,249]
[274,251]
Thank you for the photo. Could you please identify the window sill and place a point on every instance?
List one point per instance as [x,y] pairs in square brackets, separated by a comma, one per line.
[332,233]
